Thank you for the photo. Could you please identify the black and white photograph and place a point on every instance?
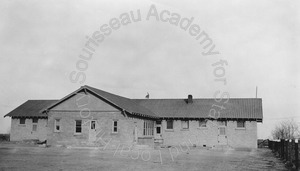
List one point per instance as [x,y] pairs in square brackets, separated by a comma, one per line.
[149,85]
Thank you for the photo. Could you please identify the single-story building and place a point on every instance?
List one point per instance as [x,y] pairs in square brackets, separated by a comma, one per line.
[92,117]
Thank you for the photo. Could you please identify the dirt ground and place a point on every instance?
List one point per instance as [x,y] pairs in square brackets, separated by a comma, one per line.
[20,157]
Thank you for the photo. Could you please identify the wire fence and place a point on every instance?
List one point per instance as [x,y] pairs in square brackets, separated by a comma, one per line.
[287,150]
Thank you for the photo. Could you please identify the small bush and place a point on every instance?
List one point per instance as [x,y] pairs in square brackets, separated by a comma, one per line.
[4,137]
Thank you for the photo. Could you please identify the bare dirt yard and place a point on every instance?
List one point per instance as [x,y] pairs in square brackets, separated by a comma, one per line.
[20,157]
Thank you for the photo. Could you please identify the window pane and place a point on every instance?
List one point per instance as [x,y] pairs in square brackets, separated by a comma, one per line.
[34,127]
[148,128]
[240,124]
[223,123]
[93,124]
[57,127]
[185,124]
[78,129]
[22,121]
[115,126]
[78,126]
[158,130]
[169,124]
[78,122]
[35,120]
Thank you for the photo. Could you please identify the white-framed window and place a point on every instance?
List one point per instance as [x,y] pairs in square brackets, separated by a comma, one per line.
[185,124]
[202,123]
[148,128]
[115,126]
[78,126]
[34,124]
[22,121]
[240,124]
[57,125]
[169,124]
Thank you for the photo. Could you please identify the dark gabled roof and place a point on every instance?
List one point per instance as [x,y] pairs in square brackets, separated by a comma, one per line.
[120,102]
[31,108]
[125,103]
[235,108]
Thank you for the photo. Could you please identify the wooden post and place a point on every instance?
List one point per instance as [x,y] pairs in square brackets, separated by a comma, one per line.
[282,148]
[290,147]
[296,154]
[286,145]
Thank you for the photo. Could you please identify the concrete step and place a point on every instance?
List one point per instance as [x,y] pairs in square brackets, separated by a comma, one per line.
[141,147]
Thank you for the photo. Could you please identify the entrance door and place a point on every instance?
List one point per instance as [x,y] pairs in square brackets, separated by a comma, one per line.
[158,129]
[92,131]
[222,136]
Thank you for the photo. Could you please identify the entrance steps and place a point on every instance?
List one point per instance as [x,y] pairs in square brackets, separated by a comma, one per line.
[141,147]
[158,142]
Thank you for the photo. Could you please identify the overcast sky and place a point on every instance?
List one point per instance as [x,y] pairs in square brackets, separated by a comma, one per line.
[41,41]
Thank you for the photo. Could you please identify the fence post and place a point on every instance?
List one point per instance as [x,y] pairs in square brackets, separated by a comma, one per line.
[296,154]
[286,144]
[282,148]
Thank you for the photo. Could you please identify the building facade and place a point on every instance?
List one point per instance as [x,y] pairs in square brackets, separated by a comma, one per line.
[92,117]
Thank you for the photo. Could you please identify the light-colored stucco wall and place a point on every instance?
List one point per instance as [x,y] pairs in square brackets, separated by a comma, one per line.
[95,109]
[236,137]
[21,132]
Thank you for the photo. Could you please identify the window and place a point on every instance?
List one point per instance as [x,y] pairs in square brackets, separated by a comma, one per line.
[223,123]
[222,131]
[158,127]
[93,125]
[34,124]
[57,125]
[22,120]
[78,128]
[115,127]
[35,120]
[185,124]
[148,128]
[169,124]
[241,124]
[158,131]
[34,127]
[202,123]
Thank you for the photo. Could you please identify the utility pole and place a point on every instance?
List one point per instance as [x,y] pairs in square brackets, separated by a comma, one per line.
[256,92]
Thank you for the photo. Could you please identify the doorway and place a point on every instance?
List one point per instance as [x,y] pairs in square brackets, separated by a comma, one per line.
[222,135]
[158,129]
[92,131]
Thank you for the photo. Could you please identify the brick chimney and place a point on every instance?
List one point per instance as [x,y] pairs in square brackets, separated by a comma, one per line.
[190,99]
